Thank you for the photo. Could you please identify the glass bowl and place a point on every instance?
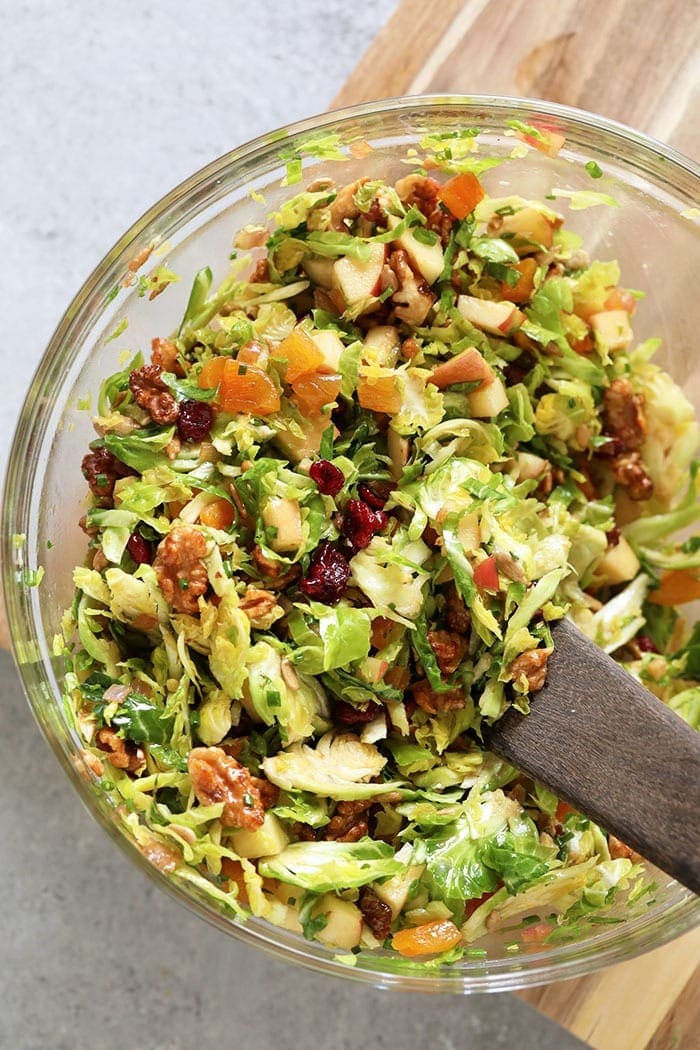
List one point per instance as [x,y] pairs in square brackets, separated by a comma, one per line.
[653,236]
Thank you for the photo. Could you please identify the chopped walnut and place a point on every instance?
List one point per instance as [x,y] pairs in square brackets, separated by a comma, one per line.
[618,850]
[164,354]
[260,607]
[418,191]
[181,573]
[303,832]
[433,702]
[413,299]
[533,665]
[99,560]
[629,471]
[151,393]
[172,449]
[343,210]
[87,765]
[375,912]
[421,191]
[510,568]
[350,821]
[449,648]
[624,415]
[410,348]
[216,777]
[165,858]
[276,580]
[123,754]
[269,792]
[456,612]
[261,272]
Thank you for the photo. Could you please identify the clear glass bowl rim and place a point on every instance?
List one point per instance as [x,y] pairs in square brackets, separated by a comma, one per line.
[492,975]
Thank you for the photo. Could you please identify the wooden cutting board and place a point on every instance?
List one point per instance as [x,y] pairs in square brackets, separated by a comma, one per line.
[637,63]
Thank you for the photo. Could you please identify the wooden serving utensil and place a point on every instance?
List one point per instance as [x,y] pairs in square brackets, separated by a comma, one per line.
[603,743]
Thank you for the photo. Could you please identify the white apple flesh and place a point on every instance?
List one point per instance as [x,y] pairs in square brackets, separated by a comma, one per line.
[496,318]
[358,280]
[428,259]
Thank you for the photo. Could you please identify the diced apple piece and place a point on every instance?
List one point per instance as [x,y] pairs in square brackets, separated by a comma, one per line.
[266,841]
[284,516]
[618,565]
[331,346]
[528,230]
[320,270]
[530,466]
[486,575]
[343,927]
[496,318]
[469,532]
[466,367]
[612,329]
[428,259]
[359,280]
[399,450]
[383,343]
[395,890]
[302,446]
[489,400]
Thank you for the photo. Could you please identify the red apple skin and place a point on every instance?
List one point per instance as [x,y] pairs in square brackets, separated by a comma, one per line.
[466,367]
[486,575]
[515,319]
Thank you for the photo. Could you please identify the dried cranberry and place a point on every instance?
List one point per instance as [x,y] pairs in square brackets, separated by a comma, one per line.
[139,549]
[329,478]
[194,420]
[613,537]
[360,523]
[375,494]
[350,715]
[328,574]
[645,644]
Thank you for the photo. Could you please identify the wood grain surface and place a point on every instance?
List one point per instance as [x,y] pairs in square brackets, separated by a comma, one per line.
[632,61]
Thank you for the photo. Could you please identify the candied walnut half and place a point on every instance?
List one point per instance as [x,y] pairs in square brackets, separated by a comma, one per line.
[449,648]
[350,822]
[151,394]
[629,471]
[433,702]
[375,912]
[456,612]
[260,607]
[164,354]
[123,754]
[182,575]
[624,415]
[101,470]
[216,777]
[533,665]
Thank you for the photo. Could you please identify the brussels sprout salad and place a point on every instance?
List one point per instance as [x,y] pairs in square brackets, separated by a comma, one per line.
[333,517]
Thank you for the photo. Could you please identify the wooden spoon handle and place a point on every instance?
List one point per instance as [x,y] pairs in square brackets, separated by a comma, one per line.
[607,746]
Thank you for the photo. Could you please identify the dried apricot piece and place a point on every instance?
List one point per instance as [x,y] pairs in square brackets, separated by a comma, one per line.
[428,939]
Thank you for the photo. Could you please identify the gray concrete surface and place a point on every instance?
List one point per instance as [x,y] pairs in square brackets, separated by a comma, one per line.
[105,107]
[97,959]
